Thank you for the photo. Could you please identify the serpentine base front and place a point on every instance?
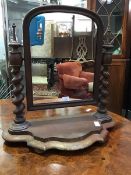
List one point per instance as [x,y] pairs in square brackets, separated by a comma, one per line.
[70,133]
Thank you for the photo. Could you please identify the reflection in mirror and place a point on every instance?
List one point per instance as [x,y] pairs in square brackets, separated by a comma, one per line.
[62,49]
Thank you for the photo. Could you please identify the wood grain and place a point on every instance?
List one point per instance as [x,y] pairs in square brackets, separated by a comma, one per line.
[112,158]
[116,85]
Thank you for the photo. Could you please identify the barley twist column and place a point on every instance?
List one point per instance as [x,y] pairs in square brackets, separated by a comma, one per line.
[101,113]
[15,61]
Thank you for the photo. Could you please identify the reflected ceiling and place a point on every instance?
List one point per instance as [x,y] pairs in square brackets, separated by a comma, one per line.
[80,3]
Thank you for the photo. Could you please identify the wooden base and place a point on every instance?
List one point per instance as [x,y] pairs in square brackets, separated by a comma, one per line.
[68,133]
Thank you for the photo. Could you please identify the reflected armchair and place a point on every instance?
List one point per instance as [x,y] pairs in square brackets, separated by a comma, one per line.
[74,82]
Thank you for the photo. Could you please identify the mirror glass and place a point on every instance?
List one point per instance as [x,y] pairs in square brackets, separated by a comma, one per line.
[62,47]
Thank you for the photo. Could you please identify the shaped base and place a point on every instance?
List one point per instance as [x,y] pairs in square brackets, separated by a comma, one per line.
[70,133]
[60,145]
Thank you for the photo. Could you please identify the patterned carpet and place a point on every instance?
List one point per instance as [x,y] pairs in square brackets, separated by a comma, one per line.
[41,90]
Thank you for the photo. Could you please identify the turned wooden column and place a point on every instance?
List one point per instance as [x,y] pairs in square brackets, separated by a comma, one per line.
[103,89]
[15,63]
[101,113]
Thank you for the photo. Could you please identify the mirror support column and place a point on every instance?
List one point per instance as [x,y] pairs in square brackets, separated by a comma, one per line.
[15,62]
[101,113]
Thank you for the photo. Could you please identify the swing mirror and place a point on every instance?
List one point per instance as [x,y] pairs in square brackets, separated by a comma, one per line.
[68,58]
[62,48]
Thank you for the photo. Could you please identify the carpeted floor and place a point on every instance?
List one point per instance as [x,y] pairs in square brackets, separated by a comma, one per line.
[42,90]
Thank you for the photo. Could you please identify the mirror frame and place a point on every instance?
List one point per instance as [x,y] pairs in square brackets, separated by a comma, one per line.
[27,56]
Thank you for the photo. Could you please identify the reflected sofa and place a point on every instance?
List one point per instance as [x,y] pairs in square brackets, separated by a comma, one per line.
[74,82]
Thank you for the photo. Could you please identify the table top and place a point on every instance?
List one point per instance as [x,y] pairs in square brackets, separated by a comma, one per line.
[111,158]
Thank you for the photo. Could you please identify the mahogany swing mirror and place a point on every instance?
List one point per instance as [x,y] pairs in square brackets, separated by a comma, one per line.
[66,65]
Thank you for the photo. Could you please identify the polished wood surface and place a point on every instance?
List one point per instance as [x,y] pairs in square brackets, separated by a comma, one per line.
[116,85]
[111,158]
[70,131]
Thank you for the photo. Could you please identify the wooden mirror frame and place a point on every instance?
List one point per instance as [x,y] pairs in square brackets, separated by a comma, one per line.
[27,55]
[67,132]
